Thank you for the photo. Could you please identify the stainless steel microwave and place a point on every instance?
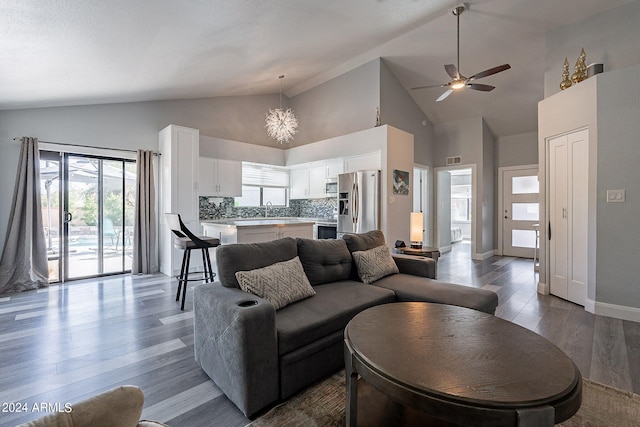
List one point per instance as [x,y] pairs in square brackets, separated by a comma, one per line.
[331,188]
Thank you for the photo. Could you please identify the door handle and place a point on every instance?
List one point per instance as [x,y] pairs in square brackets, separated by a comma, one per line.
[549,231]
[68,217]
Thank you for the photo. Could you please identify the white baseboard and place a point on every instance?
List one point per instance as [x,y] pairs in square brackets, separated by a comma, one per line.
[445,249]
[613,310]
[482,257]
[543,288]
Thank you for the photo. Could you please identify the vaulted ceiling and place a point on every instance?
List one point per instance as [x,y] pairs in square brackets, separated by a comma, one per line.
[87,52]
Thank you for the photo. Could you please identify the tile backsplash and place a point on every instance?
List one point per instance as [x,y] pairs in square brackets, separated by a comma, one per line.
[223,207]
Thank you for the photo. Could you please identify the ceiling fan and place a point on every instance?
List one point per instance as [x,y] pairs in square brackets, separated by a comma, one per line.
[458,81]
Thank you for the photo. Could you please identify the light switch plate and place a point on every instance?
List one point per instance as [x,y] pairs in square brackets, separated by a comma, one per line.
[615,196]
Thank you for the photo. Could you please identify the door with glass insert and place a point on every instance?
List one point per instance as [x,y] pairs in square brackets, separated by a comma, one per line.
[520,212]
[88,206]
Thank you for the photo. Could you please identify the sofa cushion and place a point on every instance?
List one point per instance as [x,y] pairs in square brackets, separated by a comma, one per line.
[374,264]
[324,260]
[333,306]
[415,288]
[364,241]
[281,283]
[249,256]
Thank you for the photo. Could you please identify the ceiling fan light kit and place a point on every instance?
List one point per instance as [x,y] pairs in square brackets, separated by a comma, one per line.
[459,81]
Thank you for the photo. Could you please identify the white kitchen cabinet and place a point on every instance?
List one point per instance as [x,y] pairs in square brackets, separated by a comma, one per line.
[317,182]
[257,233]
[179,147]
[335,168]
[309,183]
[370,161]
[304,231]
[299,187]
[219,177]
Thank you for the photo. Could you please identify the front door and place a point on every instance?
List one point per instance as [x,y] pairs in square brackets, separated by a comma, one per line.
[520,212]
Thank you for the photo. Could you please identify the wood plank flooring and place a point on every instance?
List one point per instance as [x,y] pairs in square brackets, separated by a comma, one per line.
[71,341]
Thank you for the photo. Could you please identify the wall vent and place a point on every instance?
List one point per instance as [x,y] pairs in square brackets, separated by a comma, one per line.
[454,160]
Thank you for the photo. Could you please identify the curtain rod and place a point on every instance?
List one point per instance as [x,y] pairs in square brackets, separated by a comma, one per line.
[89,146]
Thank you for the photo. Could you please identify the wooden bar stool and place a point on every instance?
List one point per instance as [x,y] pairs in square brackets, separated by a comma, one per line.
[185,240]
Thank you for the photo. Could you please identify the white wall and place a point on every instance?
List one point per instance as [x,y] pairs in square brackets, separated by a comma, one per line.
[219,148]
[397,208]
[352,144]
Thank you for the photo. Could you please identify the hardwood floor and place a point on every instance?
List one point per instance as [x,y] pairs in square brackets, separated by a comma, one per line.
[71,341]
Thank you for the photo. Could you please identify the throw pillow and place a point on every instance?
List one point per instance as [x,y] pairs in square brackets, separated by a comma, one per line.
[374,264]
[364,241]
[281,283]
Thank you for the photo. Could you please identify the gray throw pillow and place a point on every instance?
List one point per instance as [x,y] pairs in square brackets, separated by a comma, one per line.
[281,283]
[374,264]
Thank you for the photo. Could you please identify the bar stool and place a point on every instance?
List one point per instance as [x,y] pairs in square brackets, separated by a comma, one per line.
[187,241]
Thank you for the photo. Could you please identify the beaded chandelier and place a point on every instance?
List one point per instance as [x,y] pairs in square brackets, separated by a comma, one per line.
[281,124]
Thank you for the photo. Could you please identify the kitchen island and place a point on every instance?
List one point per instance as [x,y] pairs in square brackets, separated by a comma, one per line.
[254,230]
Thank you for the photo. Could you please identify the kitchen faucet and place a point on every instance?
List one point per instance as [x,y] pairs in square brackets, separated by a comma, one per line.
[266,208]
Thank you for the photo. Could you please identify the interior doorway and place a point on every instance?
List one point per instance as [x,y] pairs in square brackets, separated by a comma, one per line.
[88,205]
[455,207]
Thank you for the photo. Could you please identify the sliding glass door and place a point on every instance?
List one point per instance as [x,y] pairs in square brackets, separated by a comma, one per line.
[91,235]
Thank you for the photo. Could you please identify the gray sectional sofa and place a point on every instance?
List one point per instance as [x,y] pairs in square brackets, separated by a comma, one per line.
[258,355]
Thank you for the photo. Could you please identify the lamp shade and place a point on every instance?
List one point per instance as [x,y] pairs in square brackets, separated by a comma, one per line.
[415,227]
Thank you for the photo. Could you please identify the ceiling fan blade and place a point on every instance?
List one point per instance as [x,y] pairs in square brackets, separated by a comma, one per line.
[427,87]
[444,95]
[490,71]
[480,86]
[452,70]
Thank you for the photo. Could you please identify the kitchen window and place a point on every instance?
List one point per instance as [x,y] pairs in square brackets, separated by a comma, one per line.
[262,184]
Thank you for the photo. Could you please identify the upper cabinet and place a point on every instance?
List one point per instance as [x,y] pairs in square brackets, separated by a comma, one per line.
[363,162]
[310,182]
[219,177]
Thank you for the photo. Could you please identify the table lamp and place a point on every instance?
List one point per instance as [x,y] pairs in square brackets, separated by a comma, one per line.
[415,230]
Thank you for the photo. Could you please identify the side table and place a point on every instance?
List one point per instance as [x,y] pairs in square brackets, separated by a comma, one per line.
[424,251]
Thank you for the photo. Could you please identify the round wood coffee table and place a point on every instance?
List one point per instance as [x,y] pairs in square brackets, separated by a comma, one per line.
[460,366]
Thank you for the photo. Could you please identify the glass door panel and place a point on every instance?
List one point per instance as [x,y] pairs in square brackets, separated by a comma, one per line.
[112,215]
[83,255]
[50,174]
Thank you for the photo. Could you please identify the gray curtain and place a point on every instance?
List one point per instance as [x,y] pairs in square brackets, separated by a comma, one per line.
[24,259]
[145,252]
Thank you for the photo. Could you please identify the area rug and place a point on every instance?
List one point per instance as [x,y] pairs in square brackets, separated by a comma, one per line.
[323,405]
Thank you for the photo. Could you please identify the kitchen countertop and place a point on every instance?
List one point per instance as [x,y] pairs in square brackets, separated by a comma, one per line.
[254,222]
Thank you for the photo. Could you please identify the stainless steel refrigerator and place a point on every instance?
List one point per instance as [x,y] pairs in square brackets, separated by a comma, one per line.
[358,202]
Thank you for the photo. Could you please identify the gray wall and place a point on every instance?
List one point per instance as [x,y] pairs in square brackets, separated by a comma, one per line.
[398,109]
[610,38]
[517,150]
[343,105]
[618,236]
[126,126]
[487,173]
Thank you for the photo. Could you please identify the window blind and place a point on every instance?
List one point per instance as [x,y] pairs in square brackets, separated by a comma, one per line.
[264,175]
